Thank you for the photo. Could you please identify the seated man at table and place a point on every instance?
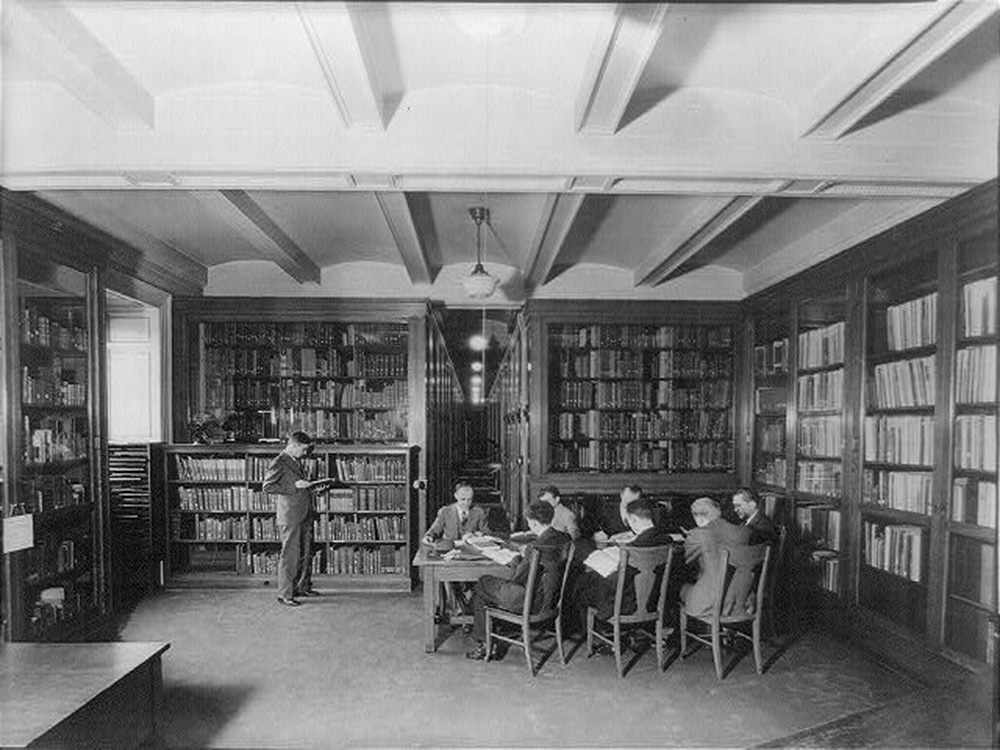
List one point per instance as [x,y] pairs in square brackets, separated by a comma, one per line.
[762,528]
[591,589]
[460,519]
[508,594]
[563,518]
[701,553]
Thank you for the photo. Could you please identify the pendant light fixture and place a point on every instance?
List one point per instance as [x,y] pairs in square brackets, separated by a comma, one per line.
[480,284]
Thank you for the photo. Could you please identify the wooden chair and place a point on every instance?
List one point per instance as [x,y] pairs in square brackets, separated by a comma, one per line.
[553,588]
[776,570]
[648,562]
[742,572]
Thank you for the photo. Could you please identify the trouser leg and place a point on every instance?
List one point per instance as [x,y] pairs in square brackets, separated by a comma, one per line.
[303,580]
[288,560]
[485,595]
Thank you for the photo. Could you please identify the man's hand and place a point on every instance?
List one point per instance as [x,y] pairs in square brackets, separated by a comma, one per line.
[301,484]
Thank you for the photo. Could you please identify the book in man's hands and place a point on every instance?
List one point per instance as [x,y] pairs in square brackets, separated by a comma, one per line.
[604,561]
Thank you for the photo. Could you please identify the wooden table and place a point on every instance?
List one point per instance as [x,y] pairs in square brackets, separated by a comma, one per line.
[437,571]
[74,695]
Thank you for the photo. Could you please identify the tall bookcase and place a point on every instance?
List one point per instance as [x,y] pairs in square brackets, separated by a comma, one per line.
[351,373]
[891,479]
[509,419]
[56,587]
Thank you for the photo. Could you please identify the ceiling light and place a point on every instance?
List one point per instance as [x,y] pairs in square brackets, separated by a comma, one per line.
[479,284]
[477,366]
[476,380]
[479,343]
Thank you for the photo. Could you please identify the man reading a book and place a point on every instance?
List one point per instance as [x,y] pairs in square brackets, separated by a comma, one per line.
[762,528]
[460,519]
[595,586]
[294,510]
[508,594]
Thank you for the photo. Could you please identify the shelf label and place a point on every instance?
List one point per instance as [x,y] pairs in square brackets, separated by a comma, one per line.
[18,533]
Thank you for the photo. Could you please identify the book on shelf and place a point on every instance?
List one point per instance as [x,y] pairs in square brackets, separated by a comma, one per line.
[976,374]
[979,307]
[821,390]
[911,491]
[822,347]
[906,383]
[975,438]
[899,439]
[820,436]
[768,400]
[912,324]
[974,501]
[896,549]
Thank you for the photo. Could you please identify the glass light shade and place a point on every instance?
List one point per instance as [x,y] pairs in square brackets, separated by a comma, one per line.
[479,284]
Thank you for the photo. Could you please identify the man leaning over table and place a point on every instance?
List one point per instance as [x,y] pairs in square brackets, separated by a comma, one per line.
[508,594]
[563,519]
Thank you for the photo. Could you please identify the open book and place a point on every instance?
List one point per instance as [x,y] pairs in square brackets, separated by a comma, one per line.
[604,561]
[490,547]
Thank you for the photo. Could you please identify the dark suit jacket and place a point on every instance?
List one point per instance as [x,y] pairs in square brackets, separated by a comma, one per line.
[701,548]
[762,529]
[447,525]
[511,593]
[292,505]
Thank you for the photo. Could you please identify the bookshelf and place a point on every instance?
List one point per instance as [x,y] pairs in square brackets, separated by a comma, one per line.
[222,529]
[771,379]
[55,589]
[972,510]
[893,470]
[509,418]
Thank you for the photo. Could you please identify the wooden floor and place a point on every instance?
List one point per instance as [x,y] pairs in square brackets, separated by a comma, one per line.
[350,670]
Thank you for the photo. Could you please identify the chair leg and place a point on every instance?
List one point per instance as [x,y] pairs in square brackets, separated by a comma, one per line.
[559,643]
[489,635]
[618,648]
[526,641]
[717,648]
[659,645]
[683,625]
[758,661]
[590,633]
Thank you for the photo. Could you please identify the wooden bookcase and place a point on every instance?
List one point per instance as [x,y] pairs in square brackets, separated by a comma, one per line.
[222,527]
[53,438]
[890,483]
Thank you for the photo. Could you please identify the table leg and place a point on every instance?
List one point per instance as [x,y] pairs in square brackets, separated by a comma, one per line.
[157,737]
[430,593]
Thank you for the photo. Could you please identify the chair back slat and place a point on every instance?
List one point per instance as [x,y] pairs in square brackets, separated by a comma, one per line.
[652,566]
[546,580]
[741,579]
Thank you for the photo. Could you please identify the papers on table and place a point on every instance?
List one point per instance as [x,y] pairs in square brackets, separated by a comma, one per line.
[679,538]
[603,561]
[490,547]
[622,537]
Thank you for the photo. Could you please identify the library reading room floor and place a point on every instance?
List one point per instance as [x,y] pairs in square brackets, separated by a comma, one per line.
[349,670]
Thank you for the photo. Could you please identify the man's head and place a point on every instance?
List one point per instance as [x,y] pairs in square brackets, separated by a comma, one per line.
[629,493]
[744,503]
[550,494]
[463,494]
[705,510]
[639,514]
[299,444]
[539,515]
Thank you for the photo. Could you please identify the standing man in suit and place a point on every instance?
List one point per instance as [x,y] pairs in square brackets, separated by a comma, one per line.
[459,519]
[762,528]
[563,518]
[701,549]
[494,591]
[286,480]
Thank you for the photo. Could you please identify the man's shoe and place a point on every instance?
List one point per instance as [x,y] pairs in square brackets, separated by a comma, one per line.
[478,653]
[288,602]
[310,592]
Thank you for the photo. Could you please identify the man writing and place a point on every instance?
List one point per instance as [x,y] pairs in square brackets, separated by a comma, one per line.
[294,511]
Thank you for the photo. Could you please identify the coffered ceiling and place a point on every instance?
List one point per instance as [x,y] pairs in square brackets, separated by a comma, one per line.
[644,150]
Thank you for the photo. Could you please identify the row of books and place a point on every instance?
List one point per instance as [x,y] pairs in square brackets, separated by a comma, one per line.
[363,529]
[768,400]
[63,328]
[819,527]
[370,468]
[691,364]
[907,383]
[211,468]
[771,358]
[641,337]
[976,374]
[913,323]
[347,499]
[821,390]
[771,436]
[52,439]
[44,386]
[298,333]
[625,363]
[242,395]
[772,471]
[257,466]
[385,426]
[819,478]
[226,499]
[662,425]
[974,501]
[676,455]
[44,492]
[830,578]
[899,439]
[973,572]
[820,437]
[233,361]
[979,307]
[901,490]
[212,529]
[821,347]
[975,439]
[51,556]
[330,561]
[894,549]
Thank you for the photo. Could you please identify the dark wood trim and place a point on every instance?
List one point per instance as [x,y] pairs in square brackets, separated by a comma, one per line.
[307,309]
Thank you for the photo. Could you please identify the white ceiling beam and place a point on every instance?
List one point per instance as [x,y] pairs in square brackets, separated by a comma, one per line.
[399,218]
[49,35]
[956,21]
[617,61]
[244,216]
[651,273]
[558,215]
[343,59]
